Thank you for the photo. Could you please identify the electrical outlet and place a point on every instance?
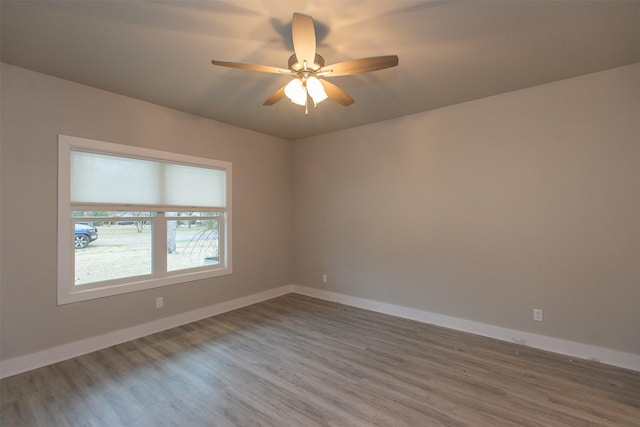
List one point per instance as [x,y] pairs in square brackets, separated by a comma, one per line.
[159,302]
[324,278]
[537,314]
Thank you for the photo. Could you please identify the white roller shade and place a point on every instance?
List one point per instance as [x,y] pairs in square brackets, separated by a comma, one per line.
[101,178]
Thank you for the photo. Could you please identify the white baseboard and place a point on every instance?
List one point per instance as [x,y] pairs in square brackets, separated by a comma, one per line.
[59,353]
[569,348]
[38,359]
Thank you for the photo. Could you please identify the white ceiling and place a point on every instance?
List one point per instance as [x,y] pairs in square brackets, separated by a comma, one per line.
[450,51]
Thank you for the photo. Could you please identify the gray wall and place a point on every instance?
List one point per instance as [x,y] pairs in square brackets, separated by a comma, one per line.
[481,210]
[487,209]
[35,109]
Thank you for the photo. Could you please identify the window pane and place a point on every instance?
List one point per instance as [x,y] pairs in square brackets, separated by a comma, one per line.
[193,242]
[120,248]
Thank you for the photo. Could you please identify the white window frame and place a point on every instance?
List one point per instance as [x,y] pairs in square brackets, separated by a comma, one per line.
[68,292]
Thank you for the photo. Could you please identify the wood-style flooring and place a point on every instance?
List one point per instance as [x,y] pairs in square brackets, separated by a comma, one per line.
[299,361]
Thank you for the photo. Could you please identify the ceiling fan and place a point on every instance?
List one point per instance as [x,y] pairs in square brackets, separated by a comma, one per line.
[308,69]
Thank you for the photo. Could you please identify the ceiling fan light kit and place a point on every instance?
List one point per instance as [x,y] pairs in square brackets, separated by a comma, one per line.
[298,89]
[308,69]
[296,92]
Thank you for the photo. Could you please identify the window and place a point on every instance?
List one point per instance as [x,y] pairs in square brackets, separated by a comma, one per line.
[131,218]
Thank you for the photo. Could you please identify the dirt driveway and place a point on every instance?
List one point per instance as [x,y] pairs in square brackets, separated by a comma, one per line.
[121,251]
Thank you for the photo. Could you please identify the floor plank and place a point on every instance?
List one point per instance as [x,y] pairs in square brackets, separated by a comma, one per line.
[300,361]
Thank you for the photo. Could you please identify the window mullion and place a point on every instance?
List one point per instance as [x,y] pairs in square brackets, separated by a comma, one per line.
[159,245]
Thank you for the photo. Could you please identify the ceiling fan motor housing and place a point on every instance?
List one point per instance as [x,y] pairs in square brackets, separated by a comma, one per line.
[296,67]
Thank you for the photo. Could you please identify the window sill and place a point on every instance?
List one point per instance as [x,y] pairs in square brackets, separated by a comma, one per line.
[68,295]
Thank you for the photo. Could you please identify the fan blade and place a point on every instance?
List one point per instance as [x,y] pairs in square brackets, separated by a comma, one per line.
[336,94]
[304,38]
[275,97]
[357,66]
[251,67]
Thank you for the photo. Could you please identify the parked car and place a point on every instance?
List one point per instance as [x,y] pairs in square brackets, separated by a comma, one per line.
[85,234]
